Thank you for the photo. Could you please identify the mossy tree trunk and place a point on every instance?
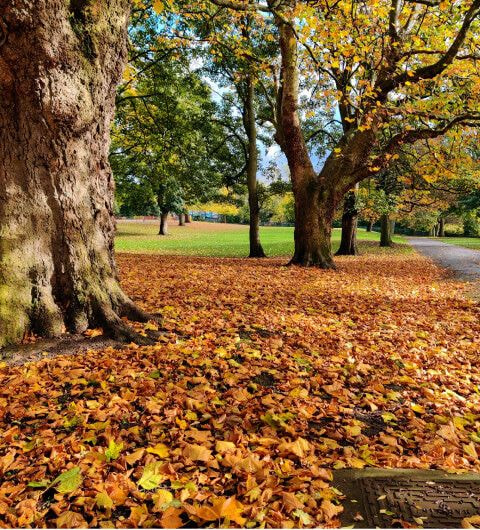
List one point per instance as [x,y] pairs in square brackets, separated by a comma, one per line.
[60,62]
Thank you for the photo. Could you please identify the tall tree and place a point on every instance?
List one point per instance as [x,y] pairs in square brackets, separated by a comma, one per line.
[59,65]
[404,71]
[237,76]
[165,136]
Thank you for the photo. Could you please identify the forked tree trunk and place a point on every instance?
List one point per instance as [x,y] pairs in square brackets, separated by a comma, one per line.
[59,65]
[348,242]
[386,231]
[163,231]
[256,249]
[313,206]
[181,219]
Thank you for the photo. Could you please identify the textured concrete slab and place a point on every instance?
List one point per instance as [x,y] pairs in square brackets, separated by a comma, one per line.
[463,262]
[387,498]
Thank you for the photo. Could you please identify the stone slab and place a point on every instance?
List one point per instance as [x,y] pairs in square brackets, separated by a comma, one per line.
[383,498]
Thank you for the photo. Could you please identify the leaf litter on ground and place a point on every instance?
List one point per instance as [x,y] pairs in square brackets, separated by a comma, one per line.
[265,379]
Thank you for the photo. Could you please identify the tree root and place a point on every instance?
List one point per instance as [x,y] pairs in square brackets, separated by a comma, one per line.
[309,261]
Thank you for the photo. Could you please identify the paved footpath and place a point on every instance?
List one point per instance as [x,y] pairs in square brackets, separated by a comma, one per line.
[464,262]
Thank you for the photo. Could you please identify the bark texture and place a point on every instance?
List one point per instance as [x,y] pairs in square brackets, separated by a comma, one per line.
[60,62]
[314,199]
[256,249]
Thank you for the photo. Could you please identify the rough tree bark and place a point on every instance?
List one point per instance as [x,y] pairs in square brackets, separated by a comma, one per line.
[348,242]
[314,199]
[386,231]
[163,230]
[60,62]
[256,249]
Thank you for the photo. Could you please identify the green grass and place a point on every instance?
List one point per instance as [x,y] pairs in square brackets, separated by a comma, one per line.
[219,240]
[468,242]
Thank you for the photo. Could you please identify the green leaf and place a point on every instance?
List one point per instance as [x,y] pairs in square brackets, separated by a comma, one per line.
[103,501]
[303,516]
[68,481]
[41,484]
[151,477]
[113,451]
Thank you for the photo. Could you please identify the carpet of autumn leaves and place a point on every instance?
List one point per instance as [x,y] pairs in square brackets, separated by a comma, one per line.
[265,379]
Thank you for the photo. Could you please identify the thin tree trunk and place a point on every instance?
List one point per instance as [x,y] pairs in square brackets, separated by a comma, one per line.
[385,233]
[59,65]
[256,250]
[348,242]
[163,231]
[188,219]
[441,227]
[370,226]
[181,219]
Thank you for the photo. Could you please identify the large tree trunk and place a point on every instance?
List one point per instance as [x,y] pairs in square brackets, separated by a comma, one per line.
[59,65]
[163,231]
[313,229]
[256,250]
[313,205]
[386,231]
[348,242]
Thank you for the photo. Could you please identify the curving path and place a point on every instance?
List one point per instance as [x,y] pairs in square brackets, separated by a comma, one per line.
[463,262]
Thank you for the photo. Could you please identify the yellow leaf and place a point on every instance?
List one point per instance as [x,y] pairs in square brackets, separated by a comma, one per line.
[224,447]
[299,447]
[229,508]
[470,450]
[135,456]
[160,449]
[161,499]
[418,408]
[102,500]
[158,6]
[197,453]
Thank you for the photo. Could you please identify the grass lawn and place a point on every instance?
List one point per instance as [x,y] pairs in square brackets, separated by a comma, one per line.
[468,242]
[216,239]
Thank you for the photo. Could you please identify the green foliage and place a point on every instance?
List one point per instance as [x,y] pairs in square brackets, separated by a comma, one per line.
[471,227]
